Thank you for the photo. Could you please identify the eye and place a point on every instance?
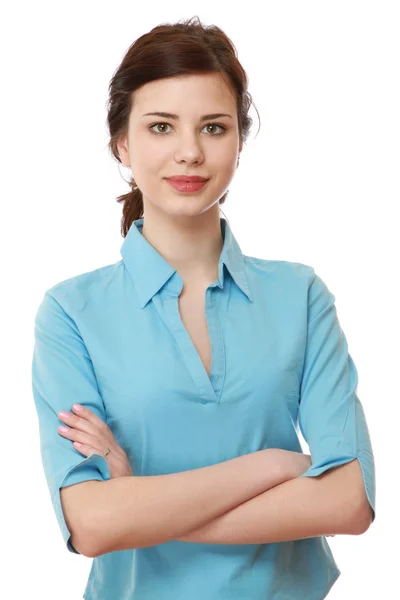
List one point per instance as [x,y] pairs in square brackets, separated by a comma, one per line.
[224,129]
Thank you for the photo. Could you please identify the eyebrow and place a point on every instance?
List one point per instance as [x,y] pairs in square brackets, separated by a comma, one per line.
[173,116]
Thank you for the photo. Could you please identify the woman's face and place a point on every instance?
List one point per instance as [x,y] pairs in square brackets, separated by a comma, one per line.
[186,145]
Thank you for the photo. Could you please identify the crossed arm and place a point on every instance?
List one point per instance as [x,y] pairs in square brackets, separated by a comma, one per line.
[332,503]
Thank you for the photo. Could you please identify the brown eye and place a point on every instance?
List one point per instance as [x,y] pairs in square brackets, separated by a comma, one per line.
[157,124]
[215,125]
[152,130]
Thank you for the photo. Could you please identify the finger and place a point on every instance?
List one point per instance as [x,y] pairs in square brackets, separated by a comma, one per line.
[83,412]
[84,424]
[75,435]
[77,423]
[84,449]
[116,468]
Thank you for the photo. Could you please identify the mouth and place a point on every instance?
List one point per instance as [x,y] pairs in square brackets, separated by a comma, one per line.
[187,186]
[187,178]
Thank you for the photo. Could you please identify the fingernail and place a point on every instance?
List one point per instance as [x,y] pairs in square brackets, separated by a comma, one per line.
[78,407]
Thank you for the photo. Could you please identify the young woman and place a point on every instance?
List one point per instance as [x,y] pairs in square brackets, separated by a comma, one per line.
[180,471]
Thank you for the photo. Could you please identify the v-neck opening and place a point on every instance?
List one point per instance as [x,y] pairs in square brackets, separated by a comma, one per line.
[208,386]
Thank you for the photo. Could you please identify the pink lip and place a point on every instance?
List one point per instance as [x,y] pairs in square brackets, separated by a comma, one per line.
[187,178]
[187,186]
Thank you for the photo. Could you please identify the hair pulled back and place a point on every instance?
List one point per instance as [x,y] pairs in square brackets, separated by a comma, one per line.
[168,50]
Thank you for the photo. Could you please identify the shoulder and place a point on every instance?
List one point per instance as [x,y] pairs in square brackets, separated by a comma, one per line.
[81,287]
[293,281]
[283,270]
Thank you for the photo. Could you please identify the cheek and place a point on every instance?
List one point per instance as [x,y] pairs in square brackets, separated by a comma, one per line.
[224,169]
[150,166]
[223,156]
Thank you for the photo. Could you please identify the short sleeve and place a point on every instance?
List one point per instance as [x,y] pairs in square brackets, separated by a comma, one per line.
[62,375]
[331,416]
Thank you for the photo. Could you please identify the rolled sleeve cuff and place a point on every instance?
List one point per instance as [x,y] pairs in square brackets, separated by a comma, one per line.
[366,461]
[92,468]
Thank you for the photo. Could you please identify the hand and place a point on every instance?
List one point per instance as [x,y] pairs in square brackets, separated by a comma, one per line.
[95,435]
[293,464]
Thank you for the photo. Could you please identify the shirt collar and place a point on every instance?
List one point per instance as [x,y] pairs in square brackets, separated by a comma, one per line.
[150,271]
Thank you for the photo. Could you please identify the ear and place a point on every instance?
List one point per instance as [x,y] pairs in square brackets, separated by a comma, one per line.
[123,150]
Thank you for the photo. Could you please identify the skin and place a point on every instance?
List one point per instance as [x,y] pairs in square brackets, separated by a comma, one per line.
[183,228]
[94,435]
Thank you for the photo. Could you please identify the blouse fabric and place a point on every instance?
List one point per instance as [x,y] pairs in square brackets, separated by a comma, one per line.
[112,339]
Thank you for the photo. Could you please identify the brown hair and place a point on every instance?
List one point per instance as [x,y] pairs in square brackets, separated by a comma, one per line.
[186,47]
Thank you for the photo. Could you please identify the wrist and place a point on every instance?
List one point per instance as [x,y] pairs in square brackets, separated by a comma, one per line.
[277,468]
[291,464]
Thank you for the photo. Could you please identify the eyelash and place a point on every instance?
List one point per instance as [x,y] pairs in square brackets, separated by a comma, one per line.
[163,133]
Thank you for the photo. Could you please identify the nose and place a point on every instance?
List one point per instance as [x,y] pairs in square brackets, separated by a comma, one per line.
[189,149]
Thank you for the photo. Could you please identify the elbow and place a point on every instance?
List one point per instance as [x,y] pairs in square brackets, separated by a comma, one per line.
[83,542]
[361,520]
[91,551]
[85,538]
[362,513]
[95,541]
[77,504]
[91,544]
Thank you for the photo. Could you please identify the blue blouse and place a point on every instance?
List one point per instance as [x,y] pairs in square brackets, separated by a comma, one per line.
[112,339]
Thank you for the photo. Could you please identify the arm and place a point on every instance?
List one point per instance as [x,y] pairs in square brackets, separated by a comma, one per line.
[336,494]
[299,508]
[62,373]
[136,512]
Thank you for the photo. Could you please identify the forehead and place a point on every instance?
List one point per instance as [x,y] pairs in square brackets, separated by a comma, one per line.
[185,94]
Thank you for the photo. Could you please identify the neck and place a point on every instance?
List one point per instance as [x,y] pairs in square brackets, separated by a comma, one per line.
[191,245]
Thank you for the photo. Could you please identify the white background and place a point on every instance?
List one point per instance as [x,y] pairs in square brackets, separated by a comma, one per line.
[318,185]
